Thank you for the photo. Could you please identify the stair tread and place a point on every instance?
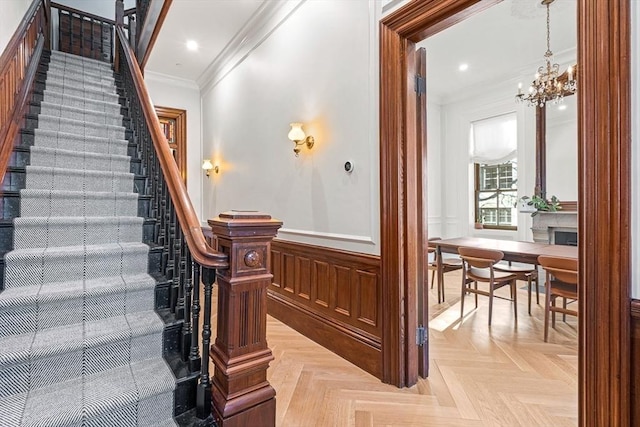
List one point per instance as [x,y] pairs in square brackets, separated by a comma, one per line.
[81,172]
[60,87]
[68,193]
[106,247]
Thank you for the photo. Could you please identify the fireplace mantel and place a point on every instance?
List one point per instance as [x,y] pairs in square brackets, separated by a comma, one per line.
[545,224]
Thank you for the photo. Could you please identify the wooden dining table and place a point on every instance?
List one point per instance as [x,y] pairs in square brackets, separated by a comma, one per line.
[513,250]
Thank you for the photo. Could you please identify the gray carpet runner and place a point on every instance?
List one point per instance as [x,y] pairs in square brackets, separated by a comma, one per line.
[80,343]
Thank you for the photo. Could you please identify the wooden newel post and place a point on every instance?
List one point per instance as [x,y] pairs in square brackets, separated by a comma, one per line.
[120,13]
[241,394]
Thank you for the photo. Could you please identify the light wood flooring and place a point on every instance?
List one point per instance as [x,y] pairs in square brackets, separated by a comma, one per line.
[479,376]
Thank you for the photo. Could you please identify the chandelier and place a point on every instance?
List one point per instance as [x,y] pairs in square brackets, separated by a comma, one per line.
[548,85]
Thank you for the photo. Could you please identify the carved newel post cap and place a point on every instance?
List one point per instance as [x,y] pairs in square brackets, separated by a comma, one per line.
[238,222]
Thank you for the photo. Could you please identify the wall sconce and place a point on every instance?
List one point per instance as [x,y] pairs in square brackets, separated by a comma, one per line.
[208,166]
[296,134]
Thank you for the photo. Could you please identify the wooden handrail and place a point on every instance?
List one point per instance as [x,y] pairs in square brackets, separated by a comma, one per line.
[149,28]
[18,66]
[83,13]
[200,250]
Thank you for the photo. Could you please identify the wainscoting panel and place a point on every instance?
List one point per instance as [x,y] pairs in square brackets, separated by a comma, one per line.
[331,296]
[635,362]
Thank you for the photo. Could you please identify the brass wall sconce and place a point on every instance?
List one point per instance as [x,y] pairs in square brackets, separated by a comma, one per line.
[296,134]
[208,166]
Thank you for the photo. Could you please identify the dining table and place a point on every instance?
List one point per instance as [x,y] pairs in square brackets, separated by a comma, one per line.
[513,250]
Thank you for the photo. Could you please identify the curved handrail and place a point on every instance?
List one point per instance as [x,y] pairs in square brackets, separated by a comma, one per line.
[201,252]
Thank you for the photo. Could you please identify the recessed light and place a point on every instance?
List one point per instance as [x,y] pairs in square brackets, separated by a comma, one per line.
[192,45]
[562,107]
[463,67]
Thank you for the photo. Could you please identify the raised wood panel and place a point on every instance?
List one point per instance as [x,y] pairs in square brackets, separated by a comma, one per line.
[276,268]
[321,275]
[289,272]
[303,277]
[341,290]
[367,293]
[333,298]
[635,365]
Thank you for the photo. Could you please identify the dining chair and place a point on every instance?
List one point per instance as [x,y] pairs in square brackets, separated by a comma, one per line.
[526,273]
[478,266]
[448,265]
[562,281]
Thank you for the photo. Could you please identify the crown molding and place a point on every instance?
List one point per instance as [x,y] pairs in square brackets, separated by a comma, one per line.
[266,19]
[170,80]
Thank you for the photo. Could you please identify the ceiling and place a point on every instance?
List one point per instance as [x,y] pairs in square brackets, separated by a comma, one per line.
[500,43]
[505,42]
[211,23]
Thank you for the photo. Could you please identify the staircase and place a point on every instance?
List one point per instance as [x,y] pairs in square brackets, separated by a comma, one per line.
[80,342]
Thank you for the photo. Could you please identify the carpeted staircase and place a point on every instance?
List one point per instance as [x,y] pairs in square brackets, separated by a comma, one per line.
[80,342]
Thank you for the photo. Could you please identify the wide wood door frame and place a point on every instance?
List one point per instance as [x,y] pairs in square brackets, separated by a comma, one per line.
[180,144]
[604,180]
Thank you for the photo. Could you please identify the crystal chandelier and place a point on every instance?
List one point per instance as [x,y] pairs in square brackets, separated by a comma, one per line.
[548,85]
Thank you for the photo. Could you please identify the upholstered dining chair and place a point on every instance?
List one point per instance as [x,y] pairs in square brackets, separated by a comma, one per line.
[562,281]
[526,273]
[478,266]
[448,265]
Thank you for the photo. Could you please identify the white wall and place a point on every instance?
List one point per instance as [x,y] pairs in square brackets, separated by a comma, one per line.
[172,92]
[318,67]
[635,150]
[102,8]
[456,176]
[434,170]
[11,13]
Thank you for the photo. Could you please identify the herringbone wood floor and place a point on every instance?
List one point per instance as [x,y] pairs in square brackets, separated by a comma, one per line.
[479,376]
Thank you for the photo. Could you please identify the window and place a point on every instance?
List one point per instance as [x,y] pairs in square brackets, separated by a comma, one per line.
[493,151]
[496,194]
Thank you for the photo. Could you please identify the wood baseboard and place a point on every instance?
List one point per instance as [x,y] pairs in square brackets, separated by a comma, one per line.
[635,365]
[332,297]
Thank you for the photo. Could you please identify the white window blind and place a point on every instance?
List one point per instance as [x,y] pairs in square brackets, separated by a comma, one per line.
[494,140]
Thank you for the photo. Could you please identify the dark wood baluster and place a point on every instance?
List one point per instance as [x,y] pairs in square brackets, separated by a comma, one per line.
[187,331]
[178,266]
[171,267]
[194,353]
[203,396]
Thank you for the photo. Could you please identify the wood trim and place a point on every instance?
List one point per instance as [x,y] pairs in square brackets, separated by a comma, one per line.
[201,252]
[156,14]
[331,296]
[604,177]
[604,135]
[635,367]
[399,203]
[18,66]
[180,116]
[569,206]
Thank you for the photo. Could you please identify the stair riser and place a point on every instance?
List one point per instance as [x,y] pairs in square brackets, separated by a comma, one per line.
[72,113]
[56,124]
[61,159]
[77,143]
[61,266]
[43,234]
[76,70]
[65,309]
[96,95]
[86,104]
[75,204]
[98,84]
[11,206]
[58,179]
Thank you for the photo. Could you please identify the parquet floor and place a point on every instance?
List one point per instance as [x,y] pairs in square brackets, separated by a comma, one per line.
[479,376]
